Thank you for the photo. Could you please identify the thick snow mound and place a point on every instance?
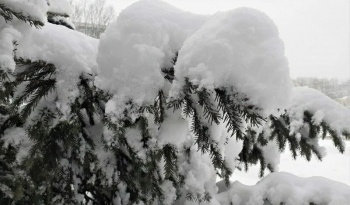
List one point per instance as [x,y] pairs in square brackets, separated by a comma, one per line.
[35,9]
[71,52]
[143,40]
[289,189]
[239,48]
[65,48]
[7,36]
[324,108]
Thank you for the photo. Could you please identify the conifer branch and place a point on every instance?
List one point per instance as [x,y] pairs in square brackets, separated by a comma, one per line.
[9,14]
[159,108]
[170,158]
[232,115]
[169,73]
[210,112]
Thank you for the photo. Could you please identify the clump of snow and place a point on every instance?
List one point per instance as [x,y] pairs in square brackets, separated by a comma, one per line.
[232,148]
[14,136]
[324,109]
[239,48]
[61,7]
[169,192]
[17,137]
[35,9]
[271,154]
[71,52]
[143,40]
[8,36]
[200,175]
[134,139]
[65,48]
[281,187]
[174,130]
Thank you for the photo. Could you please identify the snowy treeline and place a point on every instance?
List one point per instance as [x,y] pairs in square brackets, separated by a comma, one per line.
[157,110]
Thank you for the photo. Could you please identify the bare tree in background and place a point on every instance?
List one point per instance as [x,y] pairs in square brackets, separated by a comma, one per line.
[91,18]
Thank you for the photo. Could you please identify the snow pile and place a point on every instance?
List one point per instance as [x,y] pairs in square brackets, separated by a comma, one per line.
[239,48]
[278,188]
[61,7]
[199,174]
[174,130]
[133,50]
[324,109]
[17,137]
[7,37]
[71,52]
[35,9]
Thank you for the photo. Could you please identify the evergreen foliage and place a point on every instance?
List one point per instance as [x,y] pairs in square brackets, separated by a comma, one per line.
[59,19]
[62,163]
[10,14]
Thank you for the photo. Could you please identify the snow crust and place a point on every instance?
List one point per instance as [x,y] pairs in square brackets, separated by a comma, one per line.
[284,187]
[239,48]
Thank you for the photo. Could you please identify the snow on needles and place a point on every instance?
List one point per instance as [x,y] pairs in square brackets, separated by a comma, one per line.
[7,36]
[35,9]
[240,49]
[73,53]
[138,45]
[324,108]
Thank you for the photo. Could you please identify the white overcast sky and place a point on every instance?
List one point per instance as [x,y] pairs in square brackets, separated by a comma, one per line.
[315,32]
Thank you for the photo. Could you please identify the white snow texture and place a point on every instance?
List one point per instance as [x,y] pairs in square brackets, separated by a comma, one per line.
[287,188]
[239,49]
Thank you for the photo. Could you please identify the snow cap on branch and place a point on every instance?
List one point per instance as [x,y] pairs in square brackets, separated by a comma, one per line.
[143,40]
[8,36]
[323,108]
[239,48]
[35,9]
[71,52]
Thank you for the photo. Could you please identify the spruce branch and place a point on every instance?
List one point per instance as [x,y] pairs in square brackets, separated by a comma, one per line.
[33,93]
[279,131]
[159,108]
[170,158]
[39,83]
[9,15]
[232,115]
[169,73]
[210,112]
